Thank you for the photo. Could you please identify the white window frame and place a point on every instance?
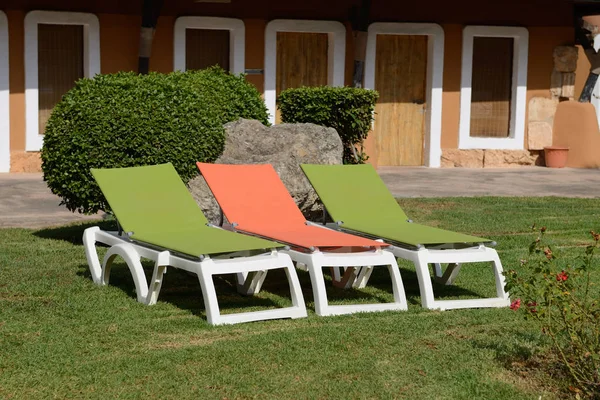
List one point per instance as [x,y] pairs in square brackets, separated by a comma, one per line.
[336,53]
[596,93]
[516,137]
[237,39]
[435,77]
[4,96]
[91,62]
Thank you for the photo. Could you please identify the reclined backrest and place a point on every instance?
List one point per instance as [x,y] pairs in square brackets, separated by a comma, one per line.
[149,198]
[354,194]
[266,199]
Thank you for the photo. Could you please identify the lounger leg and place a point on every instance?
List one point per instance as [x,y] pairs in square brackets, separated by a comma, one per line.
[209,294]
[295,290]
[250,283]
[318,286]
[397,286]
[363,277]
[336,275]
[449,276]
[437,270]
[425,286]
[160,268]
[347,280]
[500,281]
[89,243]
[132,259]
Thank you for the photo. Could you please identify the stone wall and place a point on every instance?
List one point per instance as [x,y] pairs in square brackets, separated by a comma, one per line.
[25,162]
[490,158]
[562,87]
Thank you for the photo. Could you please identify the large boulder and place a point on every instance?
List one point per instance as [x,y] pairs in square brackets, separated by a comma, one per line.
[285,146]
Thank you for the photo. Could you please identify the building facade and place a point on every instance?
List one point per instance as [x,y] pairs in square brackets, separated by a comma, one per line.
[464,83]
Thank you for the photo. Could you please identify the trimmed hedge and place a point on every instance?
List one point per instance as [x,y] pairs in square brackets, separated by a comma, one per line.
[348,110]
[125,119]
[231,94]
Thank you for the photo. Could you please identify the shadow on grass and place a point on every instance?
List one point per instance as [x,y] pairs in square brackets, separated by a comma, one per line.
[74,233]
[380,279]
[519,348]
[182,290]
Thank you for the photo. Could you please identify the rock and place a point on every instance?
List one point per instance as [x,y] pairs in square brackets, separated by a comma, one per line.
[565,58]
[556,83]
[568,85]
[539,135]
[285,146]
[542,109]
[508,158]
[462,158]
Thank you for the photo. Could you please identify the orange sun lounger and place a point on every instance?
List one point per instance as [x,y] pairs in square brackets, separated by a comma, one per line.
[255,201]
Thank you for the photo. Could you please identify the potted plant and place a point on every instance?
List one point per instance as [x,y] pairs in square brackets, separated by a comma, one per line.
[556,156]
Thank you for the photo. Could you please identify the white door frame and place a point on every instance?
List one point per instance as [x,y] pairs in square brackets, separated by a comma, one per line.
[4,97]
[91,62]
[435,69]
[596,94]
[237,39]
[336,54]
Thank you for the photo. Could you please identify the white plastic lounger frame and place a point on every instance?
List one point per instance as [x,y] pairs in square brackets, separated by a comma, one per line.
[423,257]
[251,272]
[454,257]
[357,270]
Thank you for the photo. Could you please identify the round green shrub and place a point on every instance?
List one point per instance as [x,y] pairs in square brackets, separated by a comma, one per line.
[346,109]
[124,120]
[232,95]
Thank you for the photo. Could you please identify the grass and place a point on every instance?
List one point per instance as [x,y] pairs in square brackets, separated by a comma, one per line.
[63,337]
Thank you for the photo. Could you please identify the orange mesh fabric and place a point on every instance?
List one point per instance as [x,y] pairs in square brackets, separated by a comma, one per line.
[253,197]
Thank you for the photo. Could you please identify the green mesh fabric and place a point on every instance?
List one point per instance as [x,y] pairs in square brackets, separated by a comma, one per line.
[154,204]
[356,196]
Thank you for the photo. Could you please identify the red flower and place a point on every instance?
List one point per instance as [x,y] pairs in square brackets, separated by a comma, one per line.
[562,276]
[515,304]
[532,305]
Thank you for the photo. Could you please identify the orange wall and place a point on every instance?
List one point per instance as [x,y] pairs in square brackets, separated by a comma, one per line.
[119,42]
[16,66]
[162,46]
[255,50]
[451,92]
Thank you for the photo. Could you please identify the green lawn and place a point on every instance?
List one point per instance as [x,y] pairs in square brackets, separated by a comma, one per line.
[63,337]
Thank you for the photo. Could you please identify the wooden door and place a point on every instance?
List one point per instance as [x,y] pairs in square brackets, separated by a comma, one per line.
[301,60]
[400,79]
[60,65]
[206,47]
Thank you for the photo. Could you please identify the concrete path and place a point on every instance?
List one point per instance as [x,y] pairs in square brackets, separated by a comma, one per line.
[26,202]
[527,181]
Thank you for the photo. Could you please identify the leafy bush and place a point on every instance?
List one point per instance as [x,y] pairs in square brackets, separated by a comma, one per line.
[348,110]
[564,301]
[125,119]
[232,95]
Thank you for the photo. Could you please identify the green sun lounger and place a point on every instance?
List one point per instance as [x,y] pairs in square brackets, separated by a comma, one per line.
[160,221]
[359,202]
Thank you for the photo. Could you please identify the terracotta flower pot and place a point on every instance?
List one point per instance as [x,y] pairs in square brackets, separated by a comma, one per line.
[556,157]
